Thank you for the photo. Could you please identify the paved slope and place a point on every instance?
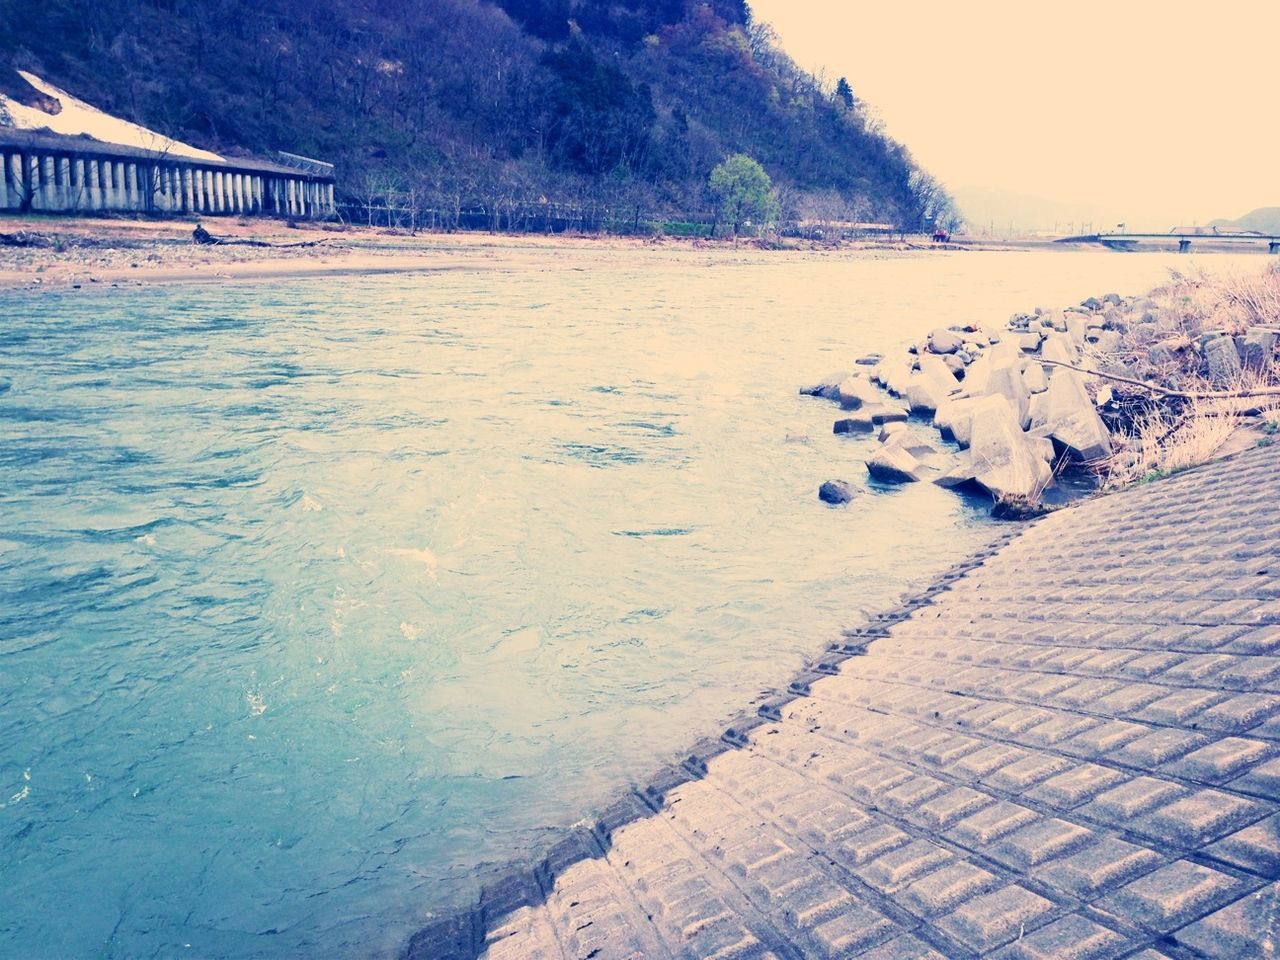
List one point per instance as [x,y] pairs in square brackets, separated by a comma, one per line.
[1072,751]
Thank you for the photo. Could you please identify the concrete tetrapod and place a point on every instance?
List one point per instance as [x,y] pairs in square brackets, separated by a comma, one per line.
[1003,461]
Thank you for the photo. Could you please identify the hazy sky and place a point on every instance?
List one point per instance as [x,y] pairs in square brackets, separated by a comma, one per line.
[1156,112]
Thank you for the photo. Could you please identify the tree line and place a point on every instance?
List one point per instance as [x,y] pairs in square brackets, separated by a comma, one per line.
[433,110]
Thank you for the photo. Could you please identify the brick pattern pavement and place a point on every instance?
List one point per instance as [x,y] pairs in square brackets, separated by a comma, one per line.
[1070,751]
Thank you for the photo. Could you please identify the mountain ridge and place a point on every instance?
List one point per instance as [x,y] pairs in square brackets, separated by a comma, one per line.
[623,106]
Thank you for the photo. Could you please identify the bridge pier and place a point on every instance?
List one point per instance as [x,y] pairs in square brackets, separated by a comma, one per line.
[1184,246]
[1273,246]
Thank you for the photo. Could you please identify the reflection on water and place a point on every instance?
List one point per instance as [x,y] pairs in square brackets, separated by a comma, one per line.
[317,597]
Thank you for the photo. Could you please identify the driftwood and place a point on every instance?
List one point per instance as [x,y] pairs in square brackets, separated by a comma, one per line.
[24,238]
[203,237]
[1168,392]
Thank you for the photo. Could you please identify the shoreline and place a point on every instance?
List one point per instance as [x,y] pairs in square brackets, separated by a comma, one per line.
[925,646]
[68,253]
[83,253]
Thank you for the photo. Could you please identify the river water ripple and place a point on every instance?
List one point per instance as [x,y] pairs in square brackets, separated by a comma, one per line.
[316,597]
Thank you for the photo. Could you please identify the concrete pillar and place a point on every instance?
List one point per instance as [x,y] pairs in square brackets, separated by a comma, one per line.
[220,190]
[188,196]
[92,185]
[198,190]
[63,181]
[79,195]
[122,188]
[106,174]
[1184,246]
[242,203]
[132,190]
[49,181]
[35,183]
[331,207]
[18,179]
[7,199]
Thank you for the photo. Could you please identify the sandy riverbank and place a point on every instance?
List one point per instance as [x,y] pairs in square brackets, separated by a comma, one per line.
[82,252]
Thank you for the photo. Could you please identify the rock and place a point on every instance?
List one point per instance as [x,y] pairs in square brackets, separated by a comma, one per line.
[1258,349]
[858,424]
[835,492]
[960,472]
[1071,420]
[1034,378]
[853,391]
[1020,321]
[954,418]
[1030,342]
[1091,303]
[1054,320]
[1223,360]
[993,336]
[944,341]
[1105,396]
[1043,448]
[894,464]
[887,414]
[965,356]
[955,365]
[1108,341]
[1038,409]
[933,384]
[892,429]
[1112,298]
[1006,380]
[1082,434]
[870,360]
[1003,462]
[1059,347]
[1077,326]
[896,376]
[825,388]
[1163,353]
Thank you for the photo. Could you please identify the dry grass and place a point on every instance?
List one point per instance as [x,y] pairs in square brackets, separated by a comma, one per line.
[1164,443]
[1194,303]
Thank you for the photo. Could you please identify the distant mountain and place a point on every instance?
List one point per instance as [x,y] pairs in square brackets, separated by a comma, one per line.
[1003,212]
[1263,220]
[618,106]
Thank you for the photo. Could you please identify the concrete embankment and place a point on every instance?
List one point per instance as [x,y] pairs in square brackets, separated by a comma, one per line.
[1069,749]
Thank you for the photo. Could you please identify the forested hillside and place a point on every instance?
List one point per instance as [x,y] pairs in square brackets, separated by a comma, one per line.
[448,105]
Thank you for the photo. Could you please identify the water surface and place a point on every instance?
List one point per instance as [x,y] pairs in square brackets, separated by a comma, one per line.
[316,597]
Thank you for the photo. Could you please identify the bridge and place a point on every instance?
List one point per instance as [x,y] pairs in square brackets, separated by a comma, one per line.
[1127,241]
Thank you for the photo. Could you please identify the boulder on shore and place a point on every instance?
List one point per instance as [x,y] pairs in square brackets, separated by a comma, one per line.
[853,391]
[835,492]
[1071,420]
[944,341]
[1258,348]
[1223,360]
[858,424]
[825,388]
[894,464]
[932,385]
[1003,461]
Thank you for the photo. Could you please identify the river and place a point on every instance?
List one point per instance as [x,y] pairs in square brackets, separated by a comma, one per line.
[319,598]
